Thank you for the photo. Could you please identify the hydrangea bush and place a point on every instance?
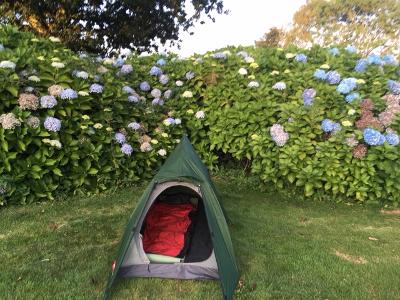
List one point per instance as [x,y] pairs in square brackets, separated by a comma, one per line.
[324,120]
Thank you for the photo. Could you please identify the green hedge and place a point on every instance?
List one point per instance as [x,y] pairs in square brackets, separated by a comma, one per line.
[222,109]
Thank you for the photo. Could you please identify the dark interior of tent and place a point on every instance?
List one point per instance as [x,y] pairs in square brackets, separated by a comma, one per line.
[176,225]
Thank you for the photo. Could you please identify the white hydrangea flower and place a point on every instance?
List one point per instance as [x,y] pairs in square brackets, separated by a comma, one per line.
[242,71]
[253,84]
[82,74]
[57,65]
[249,59]
[162,152]
[34,78]
[6,64]
[83,93]
[200,114]
[54,39]
[187,94]
[179,83]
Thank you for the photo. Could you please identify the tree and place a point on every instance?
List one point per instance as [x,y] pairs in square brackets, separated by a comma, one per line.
[366,24]
[99,26]
[272,38]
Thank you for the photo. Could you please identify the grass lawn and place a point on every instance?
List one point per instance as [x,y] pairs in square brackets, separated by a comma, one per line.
[286,249]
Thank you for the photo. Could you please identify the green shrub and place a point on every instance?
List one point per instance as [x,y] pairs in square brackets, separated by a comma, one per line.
[222,111]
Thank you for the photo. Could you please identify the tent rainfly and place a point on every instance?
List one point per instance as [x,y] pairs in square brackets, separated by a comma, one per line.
[183,181]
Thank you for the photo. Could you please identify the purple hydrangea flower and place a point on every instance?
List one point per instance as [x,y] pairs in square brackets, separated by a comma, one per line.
[394,87]
[126,69]
[219,55]
[52,124]
[189,75]
[145,86]
[157,101]
[333,77]
[155,71]
[167,94]
[308,96]
[69,94]
[120,137]
[126,149]
[163,79]
[301,57]
[133,99]
[48,101]
[320,74]
[96,88]
[134,125]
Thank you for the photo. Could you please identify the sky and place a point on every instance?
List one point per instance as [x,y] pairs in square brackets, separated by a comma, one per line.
[247,22]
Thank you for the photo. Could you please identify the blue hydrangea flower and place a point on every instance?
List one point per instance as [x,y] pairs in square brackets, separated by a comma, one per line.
[219,55]
[320,74]
[155,71]
[133,99]
[351,82]
[394,87]
[392,139]
[301,57]
[327,125]
[161,62]
[96,88]
[163,79]
[351,97]
[279,86]
[128,89]
[52,124]
[126,69]
[361,65]
[120,137]
[334,51]
[48,101]
[189,75]
[390,59]
[119,62]
[343,88]
[134,125]
[336,127]
[373,137]
[374,59]
[126,149]
[351,49]
[69,94]
[333,77]
[145,86]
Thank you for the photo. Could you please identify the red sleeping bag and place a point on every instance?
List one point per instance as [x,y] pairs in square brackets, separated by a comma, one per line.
[166,225]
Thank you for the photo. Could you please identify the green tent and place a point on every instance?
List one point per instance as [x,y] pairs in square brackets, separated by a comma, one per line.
[211,255]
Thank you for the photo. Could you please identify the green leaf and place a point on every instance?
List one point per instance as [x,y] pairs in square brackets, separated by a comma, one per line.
[12,90]
[57,171]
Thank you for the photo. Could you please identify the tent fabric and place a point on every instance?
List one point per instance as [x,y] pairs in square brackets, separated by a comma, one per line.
[184,165]
[166,227]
